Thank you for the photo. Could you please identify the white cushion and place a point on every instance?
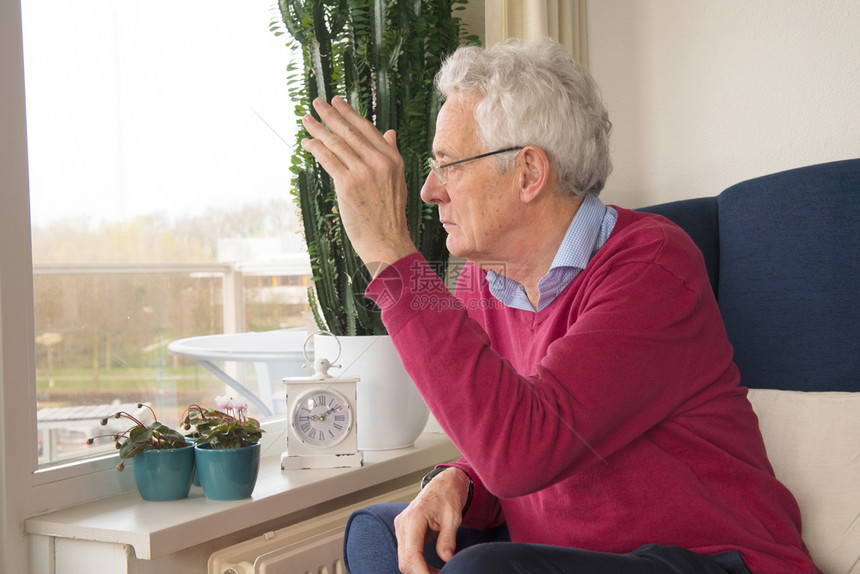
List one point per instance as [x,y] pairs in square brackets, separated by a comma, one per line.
[813,442]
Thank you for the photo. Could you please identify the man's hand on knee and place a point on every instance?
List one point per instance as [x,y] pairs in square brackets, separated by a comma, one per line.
[435,513]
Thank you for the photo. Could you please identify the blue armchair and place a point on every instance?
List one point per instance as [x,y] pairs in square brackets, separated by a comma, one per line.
[783,255]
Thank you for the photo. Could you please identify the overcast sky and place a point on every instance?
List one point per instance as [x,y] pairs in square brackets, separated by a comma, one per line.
[135,107]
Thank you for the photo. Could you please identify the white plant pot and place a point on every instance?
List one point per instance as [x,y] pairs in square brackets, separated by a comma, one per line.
[391,413]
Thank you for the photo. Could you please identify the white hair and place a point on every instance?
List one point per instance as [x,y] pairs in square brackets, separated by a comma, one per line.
[533,93]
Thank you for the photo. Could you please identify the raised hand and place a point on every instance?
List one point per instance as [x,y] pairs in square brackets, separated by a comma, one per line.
[367,170]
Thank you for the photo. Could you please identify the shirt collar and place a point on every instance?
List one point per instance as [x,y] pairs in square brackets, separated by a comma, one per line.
[586,233]
[580,241]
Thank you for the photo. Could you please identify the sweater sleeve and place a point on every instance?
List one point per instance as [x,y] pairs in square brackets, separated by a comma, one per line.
[629,359]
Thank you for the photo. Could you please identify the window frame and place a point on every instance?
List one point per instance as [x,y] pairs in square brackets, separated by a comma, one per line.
[25,489]
[18,458]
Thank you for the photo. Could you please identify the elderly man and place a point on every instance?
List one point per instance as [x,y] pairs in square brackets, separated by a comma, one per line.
[582,369]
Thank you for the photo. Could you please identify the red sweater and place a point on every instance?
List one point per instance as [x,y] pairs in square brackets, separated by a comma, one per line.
[610,419]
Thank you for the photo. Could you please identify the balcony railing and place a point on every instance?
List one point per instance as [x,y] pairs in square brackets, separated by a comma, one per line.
[103,328]
[233,273]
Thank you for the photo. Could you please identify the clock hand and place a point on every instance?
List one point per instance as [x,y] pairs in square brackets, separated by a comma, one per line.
[322,416]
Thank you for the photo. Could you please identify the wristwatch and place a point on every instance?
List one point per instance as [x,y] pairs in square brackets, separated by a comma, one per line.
[433,473]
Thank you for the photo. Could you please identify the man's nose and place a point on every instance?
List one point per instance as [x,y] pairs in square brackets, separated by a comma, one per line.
[433,191]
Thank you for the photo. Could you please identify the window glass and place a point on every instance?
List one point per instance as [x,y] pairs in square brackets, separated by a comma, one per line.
[159,139]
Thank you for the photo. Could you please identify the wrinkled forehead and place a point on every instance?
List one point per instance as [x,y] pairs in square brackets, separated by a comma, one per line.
[456,129]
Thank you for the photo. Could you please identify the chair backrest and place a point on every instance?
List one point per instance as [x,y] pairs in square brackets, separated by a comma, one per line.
[789,283]
[783,254]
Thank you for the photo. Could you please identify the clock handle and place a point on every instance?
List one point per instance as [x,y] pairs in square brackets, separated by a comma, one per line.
[314,363]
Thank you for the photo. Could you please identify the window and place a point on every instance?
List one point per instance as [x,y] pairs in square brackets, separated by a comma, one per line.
[159,144]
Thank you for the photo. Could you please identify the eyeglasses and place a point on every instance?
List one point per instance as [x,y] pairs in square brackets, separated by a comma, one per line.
[437,168]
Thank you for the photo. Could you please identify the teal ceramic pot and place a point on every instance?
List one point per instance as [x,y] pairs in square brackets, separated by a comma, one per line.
[164,474]
[227,474]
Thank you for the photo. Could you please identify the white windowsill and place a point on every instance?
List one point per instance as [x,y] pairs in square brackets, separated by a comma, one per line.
[156,529]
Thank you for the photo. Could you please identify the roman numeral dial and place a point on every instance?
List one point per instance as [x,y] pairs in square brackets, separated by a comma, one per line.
[322,417]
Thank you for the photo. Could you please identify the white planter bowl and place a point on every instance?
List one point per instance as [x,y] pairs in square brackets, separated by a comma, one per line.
[391,413]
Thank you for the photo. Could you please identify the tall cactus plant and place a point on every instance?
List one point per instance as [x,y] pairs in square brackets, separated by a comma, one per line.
[381,56]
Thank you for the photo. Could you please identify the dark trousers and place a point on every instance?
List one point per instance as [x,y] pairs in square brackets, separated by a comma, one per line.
[370,546]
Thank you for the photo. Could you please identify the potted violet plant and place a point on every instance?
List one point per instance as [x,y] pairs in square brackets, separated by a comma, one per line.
[163,462]
[227,448]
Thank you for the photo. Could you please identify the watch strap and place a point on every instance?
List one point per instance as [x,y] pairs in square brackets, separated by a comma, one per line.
[438,470]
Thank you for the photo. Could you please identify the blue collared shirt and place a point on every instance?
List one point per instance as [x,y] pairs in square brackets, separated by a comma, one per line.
[587,233]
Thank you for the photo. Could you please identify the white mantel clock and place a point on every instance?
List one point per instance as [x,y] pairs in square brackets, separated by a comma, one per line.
[321,420]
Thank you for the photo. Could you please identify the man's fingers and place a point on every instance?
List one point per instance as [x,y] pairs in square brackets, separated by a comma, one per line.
[446,544]
[358,133]
[336,156]
[391,139]
[328,148]
[411,538]
[370,184]
[347,149]
[361,126]
[410,552]
[328,160]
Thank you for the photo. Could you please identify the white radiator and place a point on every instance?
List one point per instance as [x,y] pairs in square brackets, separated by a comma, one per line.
[314,546]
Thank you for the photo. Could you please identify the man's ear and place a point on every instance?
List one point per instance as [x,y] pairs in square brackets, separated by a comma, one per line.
[534,174]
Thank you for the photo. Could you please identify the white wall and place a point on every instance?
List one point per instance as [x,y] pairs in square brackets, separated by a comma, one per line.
[705,94]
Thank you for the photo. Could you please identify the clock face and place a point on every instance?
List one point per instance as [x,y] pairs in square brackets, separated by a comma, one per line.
[322,417]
